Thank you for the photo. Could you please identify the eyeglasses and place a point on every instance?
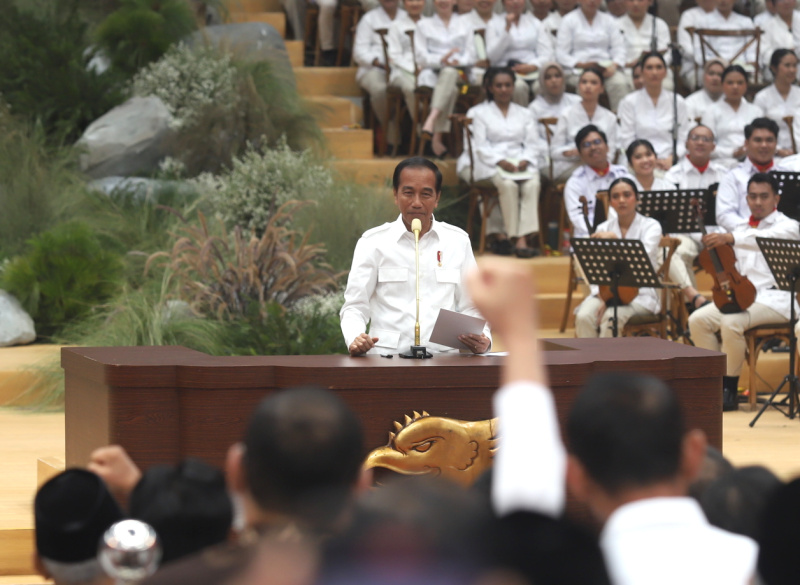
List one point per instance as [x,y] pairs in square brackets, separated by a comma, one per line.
[590,143]
[695,138]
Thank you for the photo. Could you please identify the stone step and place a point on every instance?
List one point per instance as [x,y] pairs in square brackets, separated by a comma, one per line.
[378,171]
[295,49]
[276,19]
[16,552]
[335,112]
[24,580]
[320,81]
[345,143]
[253,5]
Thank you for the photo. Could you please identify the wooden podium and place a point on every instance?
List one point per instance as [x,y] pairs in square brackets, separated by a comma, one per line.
[166,403]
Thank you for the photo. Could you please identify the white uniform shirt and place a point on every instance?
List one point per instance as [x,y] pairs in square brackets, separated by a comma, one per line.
[585,181]
[438,38]
[541,108]
[496,137]
[648,230]
[697,105]
[686,176]
[732,208]
[400,56]
[773,106]
[578,41]
[752,263]
[639,40]
[572,120]
[727,47]
[382,284]
[551,24]
[659,184]
[525,42]
[639,118]
[728,127]
[637,535]
[778,36]
[367,45]
[475,22]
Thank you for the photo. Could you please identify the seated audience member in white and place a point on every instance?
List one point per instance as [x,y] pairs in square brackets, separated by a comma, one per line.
[566,157]
[728,117]
[651,113]
[401,57]
[540,9]
[447,44]
[761,140]
[553,20]
[689,43]
[519,42]
[771,305]
[763,17]
[595,315]
[642,160]
[552,100]
[781,31]
[697,104]
[506,148]
[368,53]
[637,28]
[636,77]
[728,48]
[616,8]
[595,174]
[589,38]
[782,98]
[479,19]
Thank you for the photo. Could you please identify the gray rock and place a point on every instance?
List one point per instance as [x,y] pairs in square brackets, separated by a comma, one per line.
[141,188]
[16,326]
[253,41]
[127,140]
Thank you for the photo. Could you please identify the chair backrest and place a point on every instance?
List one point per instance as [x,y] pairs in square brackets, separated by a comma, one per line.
[549,130]
[751,36]
[790,123]
[410,34]
[383,32]
[464,122]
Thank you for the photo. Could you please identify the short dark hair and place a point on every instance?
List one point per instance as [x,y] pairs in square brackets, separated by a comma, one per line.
[628,181]
[765,178]
[627,430]
[735,69]
[647,56]
[303,454]
[493,72]
[761,123]
[778,55]
[416,162]
[637,143]
[585,131]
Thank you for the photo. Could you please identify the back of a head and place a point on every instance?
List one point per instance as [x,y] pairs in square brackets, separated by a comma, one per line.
[71,513]
[627,431]
[187,505]
[303,454]
[714,466]
[780,537]
[736,501]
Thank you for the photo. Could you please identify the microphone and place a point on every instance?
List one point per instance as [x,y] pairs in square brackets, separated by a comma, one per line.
[129,551]
[416,351]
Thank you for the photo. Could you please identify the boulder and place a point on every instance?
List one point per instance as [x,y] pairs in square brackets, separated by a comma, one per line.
[16,326]
[252,41]
[142,189]
[127,140]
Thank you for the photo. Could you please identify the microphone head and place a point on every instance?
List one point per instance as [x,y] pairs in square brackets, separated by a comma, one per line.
[416,225]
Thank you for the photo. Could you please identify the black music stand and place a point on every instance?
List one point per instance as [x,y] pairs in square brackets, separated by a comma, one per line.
[783,258]
[615,263]
[789,191]
[673,209]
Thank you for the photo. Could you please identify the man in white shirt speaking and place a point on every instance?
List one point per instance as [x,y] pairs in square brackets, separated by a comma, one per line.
[381,288]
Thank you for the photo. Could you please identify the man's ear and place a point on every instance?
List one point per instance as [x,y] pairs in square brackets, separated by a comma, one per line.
[694,452]
[234,469]
[577,479]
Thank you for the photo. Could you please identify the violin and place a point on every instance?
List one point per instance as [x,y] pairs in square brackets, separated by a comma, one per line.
[732,292]
[624,294]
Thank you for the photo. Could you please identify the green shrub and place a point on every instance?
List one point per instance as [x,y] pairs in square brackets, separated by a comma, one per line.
[44,73]
[141,31]
[66,272]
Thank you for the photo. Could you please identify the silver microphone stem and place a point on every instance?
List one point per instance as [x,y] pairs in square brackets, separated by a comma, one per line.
[416,248]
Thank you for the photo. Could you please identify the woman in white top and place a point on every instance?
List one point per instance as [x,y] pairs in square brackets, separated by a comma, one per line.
[519,41]
[642,159]
[505,148]
[446,42]
[565,155]
[552,100]
[697,103]
[652,111]
[782,98]
[728,117]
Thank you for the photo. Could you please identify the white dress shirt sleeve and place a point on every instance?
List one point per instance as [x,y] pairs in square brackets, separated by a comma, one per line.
[365,47]
[564,39]
[355,313]
[728,216]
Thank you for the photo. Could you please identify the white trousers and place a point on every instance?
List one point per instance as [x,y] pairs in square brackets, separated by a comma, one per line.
[445,94]
[519,204]
[704,324]
[681,269]
[586,318]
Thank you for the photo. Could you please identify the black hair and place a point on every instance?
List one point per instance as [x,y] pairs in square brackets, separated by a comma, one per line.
[416,162]
[777,57]
[637,143]
[628,181]
[713,467]
[493,72]
[761,124]
[597,71]
[735,69]
[656,54]
[768,178]
[585,131]
[303,454]
[627,431]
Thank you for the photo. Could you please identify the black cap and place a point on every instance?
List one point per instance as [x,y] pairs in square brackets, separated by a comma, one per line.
[71,512]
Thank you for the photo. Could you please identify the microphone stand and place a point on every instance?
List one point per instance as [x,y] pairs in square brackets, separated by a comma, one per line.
[417,351]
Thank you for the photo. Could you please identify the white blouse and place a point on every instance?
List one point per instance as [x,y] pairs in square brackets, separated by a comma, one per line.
[639,40]
[401,58]
[773,106]
[436,39]
[541,108]
[578,41]
[697,105]
[779,36]
[639,118]
[728,127]
[496,137]
[367,45]
[526,42]
[727,47]
[572,120]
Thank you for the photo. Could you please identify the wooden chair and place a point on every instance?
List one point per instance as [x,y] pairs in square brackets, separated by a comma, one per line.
[482,194]
[395,101]
[656,325]
[349,13]
[551,198]
[790,123]
[703,34]
[756,337]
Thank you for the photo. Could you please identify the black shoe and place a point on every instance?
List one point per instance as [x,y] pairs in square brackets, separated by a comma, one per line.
[730,400]
[328,58]
[502,248]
